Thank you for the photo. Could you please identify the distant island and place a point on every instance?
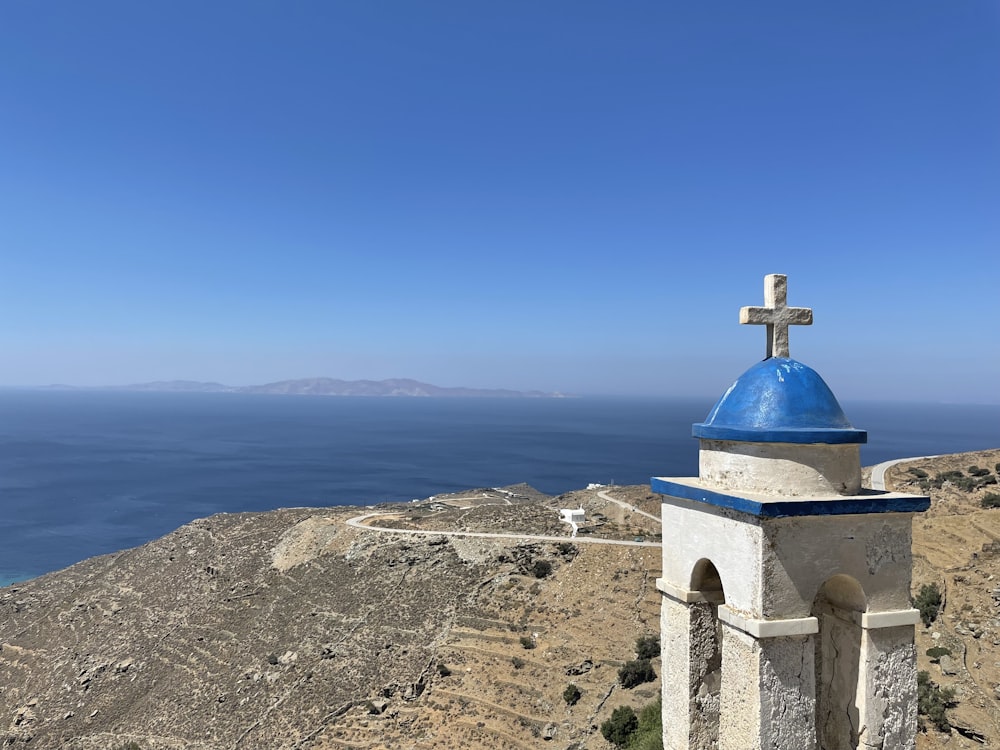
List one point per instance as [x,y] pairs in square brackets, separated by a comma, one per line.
[323,387]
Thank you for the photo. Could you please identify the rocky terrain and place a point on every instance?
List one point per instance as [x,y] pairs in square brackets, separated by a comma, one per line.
[293,629]
[309,628]
[956,546]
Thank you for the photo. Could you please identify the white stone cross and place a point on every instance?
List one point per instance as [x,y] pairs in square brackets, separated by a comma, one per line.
[776,315]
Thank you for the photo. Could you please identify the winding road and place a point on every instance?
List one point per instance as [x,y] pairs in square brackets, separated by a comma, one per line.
[358,522]
[878,470]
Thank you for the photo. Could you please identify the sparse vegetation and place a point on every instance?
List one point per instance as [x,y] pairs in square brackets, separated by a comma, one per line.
[643,732]
[990,500]
[517,661]
[527,642]
[955,477]
[635,673]
[933,702]
[928,601]
[541,568]
[571,694]
[618,730]
[649,735]
[647,647]
[918,473]
[935,653]
[965,483]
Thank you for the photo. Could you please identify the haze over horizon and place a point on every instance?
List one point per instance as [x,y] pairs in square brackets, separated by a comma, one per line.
[565,196]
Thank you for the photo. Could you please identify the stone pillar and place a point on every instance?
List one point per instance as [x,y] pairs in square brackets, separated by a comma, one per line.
[675,647]
[768,684]
[690,665]
[887,693]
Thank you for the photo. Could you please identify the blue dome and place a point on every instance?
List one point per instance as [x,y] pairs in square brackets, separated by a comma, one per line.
[779,400]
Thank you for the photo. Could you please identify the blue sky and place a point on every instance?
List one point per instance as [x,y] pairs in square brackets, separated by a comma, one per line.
[565,195]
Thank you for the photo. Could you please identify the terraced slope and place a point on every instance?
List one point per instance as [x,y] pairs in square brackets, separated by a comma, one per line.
[293,629]
[956,546]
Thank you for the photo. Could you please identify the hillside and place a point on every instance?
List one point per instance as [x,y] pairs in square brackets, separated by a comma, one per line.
[292,629]
[303,628]
[956,546]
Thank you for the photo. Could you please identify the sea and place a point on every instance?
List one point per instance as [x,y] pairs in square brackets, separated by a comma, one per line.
[85,473]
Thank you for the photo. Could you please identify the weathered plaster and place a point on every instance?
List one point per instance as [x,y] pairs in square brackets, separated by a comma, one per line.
[888,692]
[781,469]
[800,554]
[767,697]
[838,660]
[690,656]
[731,541]
[675,650]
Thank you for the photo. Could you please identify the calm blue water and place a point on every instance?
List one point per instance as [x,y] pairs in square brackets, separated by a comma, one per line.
[82,474]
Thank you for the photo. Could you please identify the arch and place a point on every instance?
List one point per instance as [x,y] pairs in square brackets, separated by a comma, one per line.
[706,580]
[837,607]
[844,592]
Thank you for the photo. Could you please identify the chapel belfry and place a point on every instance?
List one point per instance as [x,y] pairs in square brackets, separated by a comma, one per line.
[786,621]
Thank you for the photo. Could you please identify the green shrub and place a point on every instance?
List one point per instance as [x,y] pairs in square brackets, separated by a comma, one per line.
[933,702]
[647,646]
[643,732]
[619,728]
[517,661]
[571,694]
[990,500]
[977,472]
[649,735]
[928,601]
[936,652]
[527,642]
[635,673]
[965,483]
[541,568]
[442,669]
[988,479]
[918,473]
[947,476]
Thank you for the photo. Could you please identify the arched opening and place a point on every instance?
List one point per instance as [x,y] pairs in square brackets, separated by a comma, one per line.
[706,580]
[706,655]
[837,606]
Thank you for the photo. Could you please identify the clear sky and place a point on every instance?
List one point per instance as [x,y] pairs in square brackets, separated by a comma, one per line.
[563,195]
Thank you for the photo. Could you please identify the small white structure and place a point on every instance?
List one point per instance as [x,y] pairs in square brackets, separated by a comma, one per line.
[573,517]
[786,620]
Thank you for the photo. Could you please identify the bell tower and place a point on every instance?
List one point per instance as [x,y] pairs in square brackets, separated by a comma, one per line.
[786,621]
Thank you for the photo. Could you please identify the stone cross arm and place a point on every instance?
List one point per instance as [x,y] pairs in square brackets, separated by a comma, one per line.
[776,314]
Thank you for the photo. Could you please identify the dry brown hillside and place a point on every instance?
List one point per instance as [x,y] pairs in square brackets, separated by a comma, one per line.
[293,629]
[308,628]
[956,545]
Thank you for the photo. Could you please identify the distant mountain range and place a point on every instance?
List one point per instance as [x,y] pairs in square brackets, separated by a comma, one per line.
[325,387]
